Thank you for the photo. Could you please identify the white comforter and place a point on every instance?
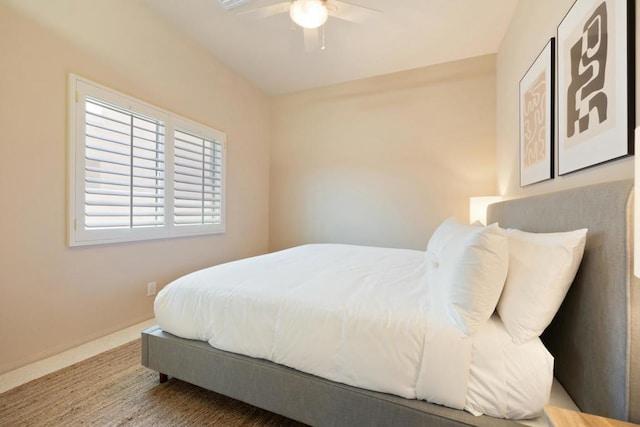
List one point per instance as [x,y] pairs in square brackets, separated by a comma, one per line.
[361,316]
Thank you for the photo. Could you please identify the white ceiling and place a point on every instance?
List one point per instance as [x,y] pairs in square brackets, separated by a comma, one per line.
[408,34]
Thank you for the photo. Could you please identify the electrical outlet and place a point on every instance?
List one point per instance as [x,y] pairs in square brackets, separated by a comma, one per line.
[151,289]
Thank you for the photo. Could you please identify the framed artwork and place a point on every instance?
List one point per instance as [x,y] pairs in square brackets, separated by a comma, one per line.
[596,86]
[537,117]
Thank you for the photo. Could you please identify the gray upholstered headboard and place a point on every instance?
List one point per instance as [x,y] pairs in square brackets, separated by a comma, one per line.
[595,337]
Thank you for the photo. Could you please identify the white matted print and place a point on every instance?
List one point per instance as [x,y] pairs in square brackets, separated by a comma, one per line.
[536,118]
[595,104]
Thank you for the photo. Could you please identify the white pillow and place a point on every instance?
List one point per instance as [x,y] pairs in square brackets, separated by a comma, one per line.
[542,267]
[469,263]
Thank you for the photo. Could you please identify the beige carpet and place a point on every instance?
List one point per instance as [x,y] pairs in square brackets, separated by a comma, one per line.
[114,389]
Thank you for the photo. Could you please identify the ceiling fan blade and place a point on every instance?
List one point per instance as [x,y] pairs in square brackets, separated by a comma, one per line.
[311,39]
[351,12]
[231,4]
[267,11]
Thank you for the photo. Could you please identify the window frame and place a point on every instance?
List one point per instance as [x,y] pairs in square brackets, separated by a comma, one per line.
[78,235]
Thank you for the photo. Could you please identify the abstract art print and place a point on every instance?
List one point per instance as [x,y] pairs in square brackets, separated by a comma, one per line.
[536,118]
[596,71]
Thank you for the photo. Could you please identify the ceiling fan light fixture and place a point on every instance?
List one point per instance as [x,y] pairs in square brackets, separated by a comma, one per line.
[309,13]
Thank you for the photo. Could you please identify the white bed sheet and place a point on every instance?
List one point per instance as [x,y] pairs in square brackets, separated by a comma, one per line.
[560,399]
[360,316]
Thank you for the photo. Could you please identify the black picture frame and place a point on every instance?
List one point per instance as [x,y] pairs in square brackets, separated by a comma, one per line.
[596,83]
[537,118]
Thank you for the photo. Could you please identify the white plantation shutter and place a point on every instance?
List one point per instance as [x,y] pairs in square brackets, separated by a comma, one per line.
[124,168]
[197,180]
[138,172]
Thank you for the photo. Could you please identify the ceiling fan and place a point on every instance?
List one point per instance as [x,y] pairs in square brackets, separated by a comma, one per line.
[310,15]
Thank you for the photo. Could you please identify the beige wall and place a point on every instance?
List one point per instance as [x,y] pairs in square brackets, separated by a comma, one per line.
[383,161]
[53,297]
[534,23]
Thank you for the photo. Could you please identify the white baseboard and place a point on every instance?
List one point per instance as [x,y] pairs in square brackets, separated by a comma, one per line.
[43,367]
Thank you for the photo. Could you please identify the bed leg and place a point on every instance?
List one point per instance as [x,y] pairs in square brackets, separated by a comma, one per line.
[163,377]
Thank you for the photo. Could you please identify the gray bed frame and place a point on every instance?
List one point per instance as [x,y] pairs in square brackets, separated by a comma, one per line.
[595,337]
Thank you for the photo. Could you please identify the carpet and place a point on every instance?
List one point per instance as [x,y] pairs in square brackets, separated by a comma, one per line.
[114,389]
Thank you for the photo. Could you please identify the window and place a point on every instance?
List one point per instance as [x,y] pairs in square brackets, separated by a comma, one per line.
[197,180]
[138,172]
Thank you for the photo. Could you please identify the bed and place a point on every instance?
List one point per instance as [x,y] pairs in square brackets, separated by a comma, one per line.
[593,338]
